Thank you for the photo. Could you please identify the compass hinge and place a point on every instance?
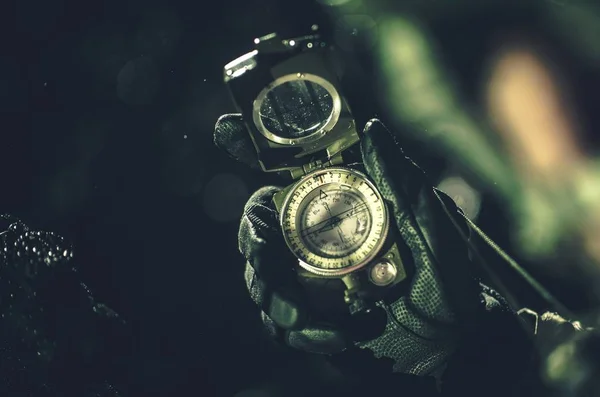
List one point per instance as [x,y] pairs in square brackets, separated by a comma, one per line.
[316,165]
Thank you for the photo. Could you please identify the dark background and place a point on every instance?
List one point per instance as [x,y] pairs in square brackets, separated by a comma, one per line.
[110,108]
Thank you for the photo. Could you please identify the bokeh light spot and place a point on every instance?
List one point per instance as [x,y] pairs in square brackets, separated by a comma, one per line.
[224,197]
[334,3]
[467,198]
[159,32]
[137,82]
[353,31]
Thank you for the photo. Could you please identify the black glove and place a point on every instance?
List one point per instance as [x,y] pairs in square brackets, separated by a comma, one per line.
[422,327]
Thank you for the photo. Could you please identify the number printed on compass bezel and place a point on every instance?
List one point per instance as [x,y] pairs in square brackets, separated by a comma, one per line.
[355,182]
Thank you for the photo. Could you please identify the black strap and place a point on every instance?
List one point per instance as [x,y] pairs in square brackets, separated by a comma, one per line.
[499,284]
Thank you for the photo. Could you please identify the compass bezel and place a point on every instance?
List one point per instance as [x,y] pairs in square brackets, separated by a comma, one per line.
[309,260]
[328,123]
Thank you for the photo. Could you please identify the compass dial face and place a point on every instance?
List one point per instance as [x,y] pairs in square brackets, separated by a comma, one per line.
[334,220]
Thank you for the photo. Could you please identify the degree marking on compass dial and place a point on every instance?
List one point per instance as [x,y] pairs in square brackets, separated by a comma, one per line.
[334,221]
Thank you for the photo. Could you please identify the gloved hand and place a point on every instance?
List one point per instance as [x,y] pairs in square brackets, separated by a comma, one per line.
[421,327]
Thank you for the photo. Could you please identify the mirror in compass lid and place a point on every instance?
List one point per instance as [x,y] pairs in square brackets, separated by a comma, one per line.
[295,109]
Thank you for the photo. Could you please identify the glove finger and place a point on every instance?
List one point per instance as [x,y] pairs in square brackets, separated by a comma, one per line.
[453,265]
[270,270]
[320,339]
[398,178]
[261,240]
[419,211]
[231,136]
[285,306]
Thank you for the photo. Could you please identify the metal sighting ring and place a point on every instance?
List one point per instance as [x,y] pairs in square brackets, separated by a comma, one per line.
[332,119]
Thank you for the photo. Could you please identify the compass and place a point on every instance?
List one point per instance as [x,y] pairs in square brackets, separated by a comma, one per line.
[334,220]
[332,216]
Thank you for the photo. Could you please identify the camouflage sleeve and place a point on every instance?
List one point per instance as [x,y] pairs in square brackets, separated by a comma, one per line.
[55,334]
[569,354]
[516,353]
